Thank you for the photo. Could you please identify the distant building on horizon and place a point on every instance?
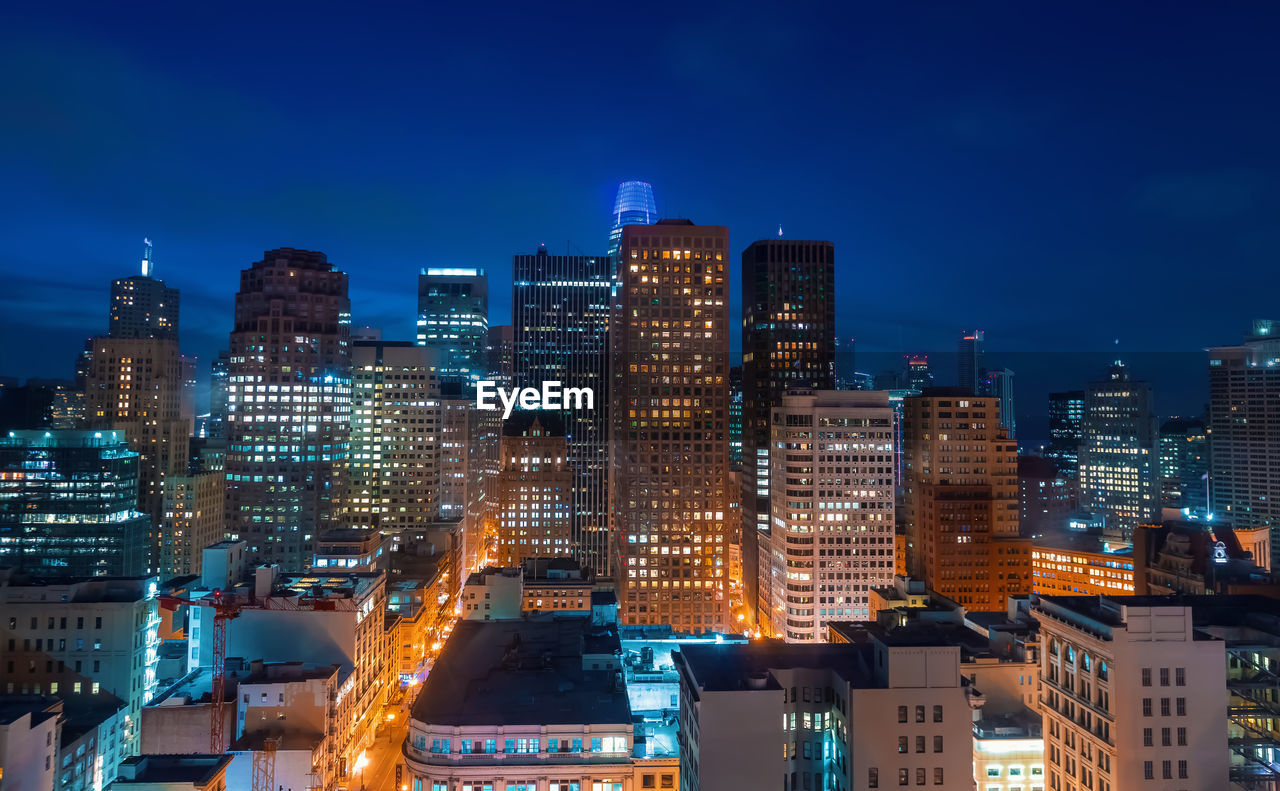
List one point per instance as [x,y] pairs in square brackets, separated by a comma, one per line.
[998,383]
[142,306]
[633,205]
[970,360]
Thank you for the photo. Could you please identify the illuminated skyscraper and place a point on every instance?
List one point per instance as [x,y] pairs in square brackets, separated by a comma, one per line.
[68,504]
[962,500]
[669,441]
[788,338]
[289,405]
[634,205]
[1244,430]
[534,490]
[832,510]
[143,307]
[970,363]
[394,481]
[1118,451]
[918,374]
[453,316]
[134,383]
[561,307]
[134,386]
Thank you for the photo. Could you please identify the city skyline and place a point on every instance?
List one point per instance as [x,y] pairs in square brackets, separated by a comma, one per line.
[1051,179]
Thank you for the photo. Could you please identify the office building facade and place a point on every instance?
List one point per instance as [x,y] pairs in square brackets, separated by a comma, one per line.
[535,491]
[962,500]
[288,405]
[788,338]
[453,318]
[669,416]
[1066,418]
[1118,450]
[69,504]
[394,479]
[832,510]
[561,309]
[1244,425]
[1183,464]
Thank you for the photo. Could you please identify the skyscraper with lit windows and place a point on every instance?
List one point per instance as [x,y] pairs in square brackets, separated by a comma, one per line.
[788,338]
[69,504]
[453,317]
[669,416]
[634,205]
[394,481]
[561,307]
[535,490]
[288,405]
[961,498]
[832,510]
[1118,458]
[142,306]
[1244,430]
[970,360]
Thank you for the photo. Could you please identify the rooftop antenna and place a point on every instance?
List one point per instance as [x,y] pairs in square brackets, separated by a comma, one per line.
[146,258]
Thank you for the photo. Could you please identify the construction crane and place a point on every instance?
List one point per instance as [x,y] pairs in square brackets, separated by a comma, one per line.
[264,765]
[224,608]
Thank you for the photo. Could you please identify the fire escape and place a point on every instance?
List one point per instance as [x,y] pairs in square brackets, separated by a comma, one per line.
[1254,717]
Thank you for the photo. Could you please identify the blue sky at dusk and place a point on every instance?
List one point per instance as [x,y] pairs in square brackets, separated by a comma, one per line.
[1061,176]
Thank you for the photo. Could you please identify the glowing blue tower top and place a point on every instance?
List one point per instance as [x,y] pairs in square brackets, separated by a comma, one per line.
[633,206]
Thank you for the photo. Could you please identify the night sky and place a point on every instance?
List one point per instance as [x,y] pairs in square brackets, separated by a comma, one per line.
[1061,177]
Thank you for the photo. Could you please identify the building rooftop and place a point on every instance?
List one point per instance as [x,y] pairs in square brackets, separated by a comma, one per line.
[523,672]
[1076,541]
[40,707]
[83,713]
[192,768]
[742,666]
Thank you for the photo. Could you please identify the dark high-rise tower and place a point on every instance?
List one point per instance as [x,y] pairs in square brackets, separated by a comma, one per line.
[1244,431]
[788,339]
[143,307]
[970,363]
[1066,415]
[560,306]
[634,205]
[669,476]
[289,405]
[453,317]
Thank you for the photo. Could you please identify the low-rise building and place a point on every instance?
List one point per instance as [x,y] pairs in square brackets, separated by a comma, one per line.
[29,733]
[891,710]
[91,639]
[1133,695]
[173,773]
[350,549]
[1072,563]
[531,703]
